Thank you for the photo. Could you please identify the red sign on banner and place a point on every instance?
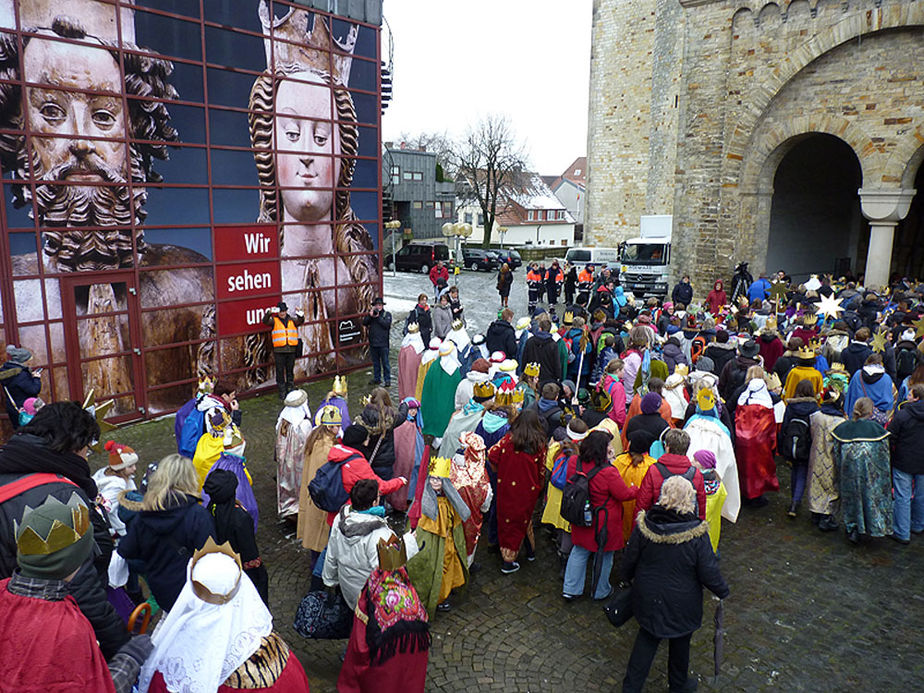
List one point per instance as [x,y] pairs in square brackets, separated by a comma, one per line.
[235,317]
[246,280]
[237,243]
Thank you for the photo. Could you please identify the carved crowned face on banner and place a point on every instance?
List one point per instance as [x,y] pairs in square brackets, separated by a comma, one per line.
[307,144]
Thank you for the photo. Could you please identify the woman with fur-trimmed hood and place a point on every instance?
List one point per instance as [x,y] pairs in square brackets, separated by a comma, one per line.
[669,560]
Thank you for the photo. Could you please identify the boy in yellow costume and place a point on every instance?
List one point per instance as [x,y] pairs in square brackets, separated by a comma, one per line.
[715,494]
[440,566]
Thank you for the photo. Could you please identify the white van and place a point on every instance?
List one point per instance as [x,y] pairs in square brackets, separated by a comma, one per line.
[608,257]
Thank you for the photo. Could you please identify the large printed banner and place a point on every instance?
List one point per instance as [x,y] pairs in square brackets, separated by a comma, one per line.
[192,220]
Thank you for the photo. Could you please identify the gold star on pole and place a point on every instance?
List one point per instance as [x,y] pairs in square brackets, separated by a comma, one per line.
[918,328]
[879,341]
[99,411]
[778,291]
[830,307]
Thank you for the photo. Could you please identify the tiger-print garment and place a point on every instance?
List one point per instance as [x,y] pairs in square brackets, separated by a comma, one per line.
[264,666]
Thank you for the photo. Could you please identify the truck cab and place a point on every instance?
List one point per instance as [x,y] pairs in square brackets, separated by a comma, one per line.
[645,261]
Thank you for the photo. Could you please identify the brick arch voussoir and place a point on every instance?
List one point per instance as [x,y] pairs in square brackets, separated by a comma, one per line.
[772,140]
[850,27]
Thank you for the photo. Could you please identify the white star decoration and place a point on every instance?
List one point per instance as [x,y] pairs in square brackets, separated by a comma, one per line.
[830,307]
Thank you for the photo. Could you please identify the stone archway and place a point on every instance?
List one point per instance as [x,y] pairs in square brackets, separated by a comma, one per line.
[815,222]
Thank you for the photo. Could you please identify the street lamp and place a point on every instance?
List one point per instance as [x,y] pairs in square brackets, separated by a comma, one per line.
[502,230]
[394,225]
[457,232]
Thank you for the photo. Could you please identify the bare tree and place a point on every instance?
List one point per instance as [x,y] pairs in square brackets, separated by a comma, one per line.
[488,163]
[440,144]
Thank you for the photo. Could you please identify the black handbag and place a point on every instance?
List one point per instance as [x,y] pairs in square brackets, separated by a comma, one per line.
[619,609]
[323,615]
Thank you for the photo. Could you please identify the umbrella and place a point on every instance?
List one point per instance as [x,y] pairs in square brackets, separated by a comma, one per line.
[718,640]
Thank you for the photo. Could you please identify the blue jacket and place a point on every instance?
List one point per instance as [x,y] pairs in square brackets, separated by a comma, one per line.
[21,384]
[758,290]
[165,540]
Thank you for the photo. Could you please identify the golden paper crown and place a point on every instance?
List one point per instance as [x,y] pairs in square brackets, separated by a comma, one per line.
[484,390]
[837,367]
[771,323]
[682,369]
[329,416]
[205,385]
[457,324]
[440,466]
[815,344]
[365,399]
[809,319]
[413,328]
[293,44]
[340,385]
[531,369]
[60,536]
[203,592]
[516,397]
[568,318]
[705,399]
[392,553]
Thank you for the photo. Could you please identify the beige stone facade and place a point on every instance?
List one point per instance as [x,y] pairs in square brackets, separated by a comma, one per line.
[695,103]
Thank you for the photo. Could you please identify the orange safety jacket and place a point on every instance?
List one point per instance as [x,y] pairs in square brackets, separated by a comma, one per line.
[284,334]
[585,276]
[532,276]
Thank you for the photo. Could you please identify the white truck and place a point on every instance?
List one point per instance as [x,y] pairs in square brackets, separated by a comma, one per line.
[645,261]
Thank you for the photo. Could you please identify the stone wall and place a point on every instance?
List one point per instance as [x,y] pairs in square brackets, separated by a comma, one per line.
[749,77]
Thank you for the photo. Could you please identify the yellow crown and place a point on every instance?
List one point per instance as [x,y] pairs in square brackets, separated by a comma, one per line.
[60,536]
[516,397]
[440,466]
[203,592]
[705,399]
[682,369]
[329,416]
[205,385]
[392,553]
[457,324]
[365,399]
[413,328]
[316,50]
[484,390]
[569,317]
[815,345]
[809,319]
[340,385]
[531,369]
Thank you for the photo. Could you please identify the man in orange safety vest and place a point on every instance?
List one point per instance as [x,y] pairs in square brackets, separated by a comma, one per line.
[286,344]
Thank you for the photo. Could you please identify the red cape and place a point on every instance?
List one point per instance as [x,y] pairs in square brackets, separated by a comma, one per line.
[519,484]
[49,646]
[755,444]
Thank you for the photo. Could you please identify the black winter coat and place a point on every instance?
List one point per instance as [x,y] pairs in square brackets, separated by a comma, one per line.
[501,337]
[378,329]
[26,454]
[652,424]
[855,355]
[424,320]
[542,349]
[384,461]
[796,408]
[165,540]
[732,376]
[720,354]
[907,439]
[669,560]
[682,293]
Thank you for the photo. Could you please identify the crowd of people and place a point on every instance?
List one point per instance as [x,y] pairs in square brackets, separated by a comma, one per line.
[628,428]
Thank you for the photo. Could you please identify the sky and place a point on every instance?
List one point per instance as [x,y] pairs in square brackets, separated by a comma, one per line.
[456,61]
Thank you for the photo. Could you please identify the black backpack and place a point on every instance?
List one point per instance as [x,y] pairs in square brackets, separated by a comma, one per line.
[667,473]
[797,440]
[575,498]
[905,362]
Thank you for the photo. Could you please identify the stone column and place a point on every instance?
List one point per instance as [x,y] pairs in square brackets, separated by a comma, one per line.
[884,209]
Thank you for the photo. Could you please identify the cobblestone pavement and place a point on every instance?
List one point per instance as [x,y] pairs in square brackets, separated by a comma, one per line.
[807,611]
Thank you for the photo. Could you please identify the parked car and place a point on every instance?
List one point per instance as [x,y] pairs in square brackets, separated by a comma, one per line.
[419,257]
[510,256]
[479,259]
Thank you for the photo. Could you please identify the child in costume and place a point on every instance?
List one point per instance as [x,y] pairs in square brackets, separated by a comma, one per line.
[716,494]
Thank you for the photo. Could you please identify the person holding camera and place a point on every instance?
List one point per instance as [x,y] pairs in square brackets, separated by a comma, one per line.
[285,344]
[378,326]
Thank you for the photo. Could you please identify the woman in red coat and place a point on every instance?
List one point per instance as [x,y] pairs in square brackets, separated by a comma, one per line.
[604,537]
[716,298]
[519,460]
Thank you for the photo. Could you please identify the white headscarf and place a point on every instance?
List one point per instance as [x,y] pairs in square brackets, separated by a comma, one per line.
[294,415]
[198,645]
[431,353]
[460,338]
[449,359]
[415,340]
[756,393]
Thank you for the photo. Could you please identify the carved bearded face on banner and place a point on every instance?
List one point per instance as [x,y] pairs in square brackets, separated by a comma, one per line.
[82,180]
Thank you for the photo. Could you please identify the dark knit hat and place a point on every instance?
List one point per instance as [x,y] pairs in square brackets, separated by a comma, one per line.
[651,403]
[54,539]
[18,354]
[640,441]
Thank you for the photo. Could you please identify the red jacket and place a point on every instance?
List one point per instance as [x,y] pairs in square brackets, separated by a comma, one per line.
[650,490]
[608,489]
[354,468]
[436,273]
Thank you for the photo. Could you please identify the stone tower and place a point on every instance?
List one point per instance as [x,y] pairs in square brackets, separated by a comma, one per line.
[785,133]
